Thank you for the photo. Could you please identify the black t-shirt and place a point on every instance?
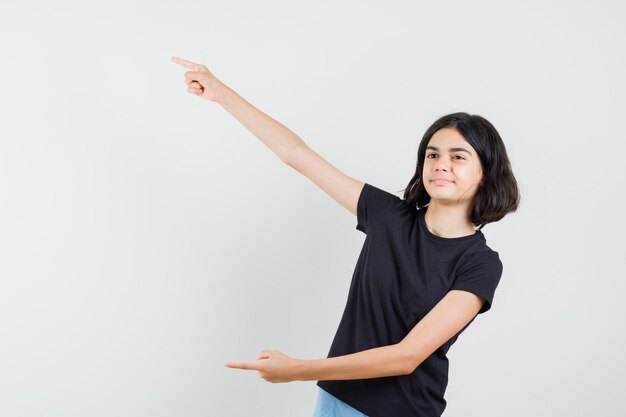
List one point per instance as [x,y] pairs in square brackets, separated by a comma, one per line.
[402,272]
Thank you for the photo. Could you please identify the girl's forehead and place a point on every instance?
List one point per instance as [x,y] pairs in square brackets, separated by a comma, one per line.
[447,135]
[448,142]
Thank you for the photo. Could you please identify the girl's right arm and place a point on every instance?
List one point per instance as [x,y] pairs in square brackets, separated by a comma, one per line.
[287,146]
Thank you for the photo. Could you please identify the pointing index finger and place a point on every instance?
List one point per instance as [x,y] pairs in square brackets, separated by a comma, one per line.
[185,63]
[242,365]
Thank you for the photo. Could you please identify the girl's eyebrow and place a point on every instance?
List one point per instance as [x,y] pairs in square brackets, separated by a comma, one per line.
[434,148]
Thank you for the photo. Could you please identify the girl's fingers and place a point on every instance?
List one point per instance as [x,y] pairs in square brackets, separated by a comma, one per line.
[191,76]
[242,365]
[184,62]
[265,354]
[188,64]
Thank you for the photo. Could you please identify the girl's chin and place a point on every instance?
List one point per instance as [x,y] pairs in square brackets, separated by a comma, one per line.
[443,194]
[447,198]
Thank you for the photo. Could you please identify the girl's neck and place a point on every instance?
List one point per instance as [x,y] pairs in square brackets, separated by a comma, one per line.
[448,221]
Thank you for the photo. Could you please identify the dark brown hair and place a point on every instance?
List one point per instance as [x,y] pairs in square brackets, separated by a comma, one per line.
[498,194]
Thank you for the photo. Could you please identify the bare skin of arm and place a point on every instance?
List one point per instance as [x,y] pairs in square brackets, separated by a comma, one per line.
[282,141]
[455,310]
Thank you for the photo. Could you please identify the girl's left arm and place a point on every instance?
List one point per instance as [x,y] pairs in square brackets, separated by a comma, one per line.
[446,319]
[275,366]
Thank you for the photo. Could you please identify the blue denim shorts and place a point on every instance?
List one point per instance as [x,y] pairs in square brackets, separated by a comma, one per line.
[330,406]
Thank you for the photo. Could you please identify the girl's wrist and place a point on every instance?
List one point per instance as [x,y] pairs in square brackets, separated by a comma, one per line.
[303,370]
[224,95]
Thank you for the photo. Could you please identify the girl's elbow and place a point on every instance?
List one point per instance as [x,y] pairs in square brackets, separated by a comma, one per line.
[410,356]
[410,364]
[410,368]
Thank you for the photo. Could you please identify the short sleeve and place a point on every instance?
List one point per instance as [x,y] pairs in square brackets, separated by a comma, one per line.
[479,273]
[373,206]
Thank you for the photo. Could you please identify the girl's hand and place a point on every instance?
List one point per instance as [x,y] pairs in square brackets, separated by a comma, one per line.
[273,366]
[200,81]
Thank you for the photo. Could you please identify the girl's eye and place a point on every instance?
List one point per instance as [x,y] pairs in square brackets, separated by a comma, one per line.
[432,154]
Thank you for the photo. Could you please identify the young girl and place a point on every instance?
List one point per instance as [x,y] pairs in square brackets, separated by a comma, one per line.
[424,273]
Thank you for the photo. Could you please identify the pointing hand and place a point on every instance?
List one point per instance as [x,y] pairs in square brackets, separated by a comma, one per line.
[200,81]
[273,366]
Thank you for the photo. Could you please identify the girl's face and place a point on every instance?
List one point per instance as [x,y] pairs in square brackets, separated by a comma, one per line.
[452,169]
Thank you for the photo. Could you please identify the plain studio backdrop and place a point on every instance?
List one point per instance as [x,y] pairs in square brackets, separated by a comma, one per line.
[146,237]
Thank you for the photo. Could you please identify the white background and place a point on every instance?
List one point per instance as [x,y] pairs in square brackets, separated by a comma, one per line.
[146,237]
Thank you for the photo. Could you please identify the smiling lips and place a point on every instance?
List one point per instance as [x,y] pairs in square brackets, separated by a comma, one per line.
[440,181]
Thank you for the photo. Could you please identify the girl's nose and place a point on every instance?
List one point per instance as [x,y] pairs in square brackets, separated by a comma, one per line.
[442,164]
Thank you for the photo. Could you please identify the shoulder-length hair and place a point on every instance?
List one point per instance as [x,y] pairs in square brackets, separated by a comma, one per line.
[498,193]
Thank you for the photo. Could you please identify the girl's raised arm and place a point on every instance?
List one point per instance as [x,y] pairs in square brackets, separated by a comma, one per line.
[285,144]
